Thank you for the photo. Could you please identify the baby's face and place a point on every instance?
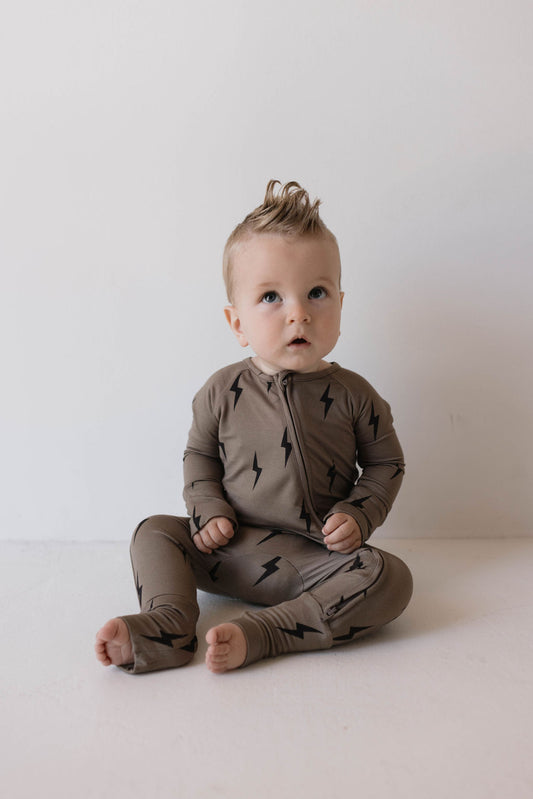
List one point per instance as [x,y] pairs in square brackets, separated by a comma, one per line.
[287,300]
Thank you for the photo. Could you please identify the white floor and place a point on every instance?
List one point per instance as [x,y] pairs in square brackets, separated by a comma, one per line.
[438,705]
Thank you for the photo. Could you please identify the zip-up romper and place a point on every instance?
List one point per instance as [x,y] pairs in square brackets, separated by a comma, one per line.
[277,455]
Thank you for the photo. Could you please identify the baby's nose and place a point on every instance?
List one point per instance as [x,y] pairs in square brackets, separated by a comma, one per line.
[298,312]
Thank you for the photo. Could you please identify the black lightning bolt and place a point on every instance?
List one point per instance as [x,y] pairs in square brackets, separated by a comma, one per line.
[195,518]
[269,568]
[269,386]
[306,516]
[286,444]
[257,469]
[332,473]
[192,646]
[273,534]
[222,447]
[300,630]
[374,421]
[139,590]
[400,469]
[350,635]
[327,400]
[213,571]
[342,601]
[164,638]
[238,391]
[358,503]
[357,564]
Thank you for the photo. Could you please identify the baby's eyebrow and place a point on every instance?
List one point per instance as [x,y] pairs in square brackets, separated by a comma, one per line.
[324,279]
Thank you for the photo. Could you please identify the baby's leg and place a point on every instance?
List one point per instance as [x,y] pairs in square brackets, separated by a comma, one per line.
[252,569]
[341,598]
[163,634]
[371,589]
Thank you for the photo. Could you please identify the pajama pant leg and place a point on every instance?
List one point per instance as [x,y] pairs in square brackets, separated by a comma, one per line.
[163,634]
[345,598]
[341,597]
[315,598]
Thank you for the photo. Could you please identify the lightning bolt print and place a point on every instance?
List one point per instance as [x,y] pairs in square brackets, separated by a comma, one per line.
[236,390]
[357,564]
[273,534]
[400,469]
[332,473]
[287,446]
[270,568]
[213,571]
[349,635]
[257,469]
[300,630]
[342,601]
[304,515]
[164,638]
[192,646]
[358,503]
[327,400]
[139,590]
[374,421]
[196,519]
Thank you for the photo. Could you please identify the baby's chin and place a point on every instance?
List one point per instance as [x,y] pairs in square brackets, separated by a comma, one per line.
[296,356]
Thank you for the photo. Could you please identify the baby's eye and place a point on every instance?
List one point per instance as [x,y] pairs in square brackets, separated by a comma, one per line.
[317,293]
[270,296]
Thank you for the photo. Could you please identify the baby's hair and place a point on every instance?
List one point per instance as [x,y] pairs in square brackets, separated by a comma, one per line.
[289,212]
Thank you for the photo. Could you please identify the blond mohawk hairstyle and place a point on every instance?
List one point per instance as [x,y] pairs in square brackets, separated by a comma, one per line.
[288,212]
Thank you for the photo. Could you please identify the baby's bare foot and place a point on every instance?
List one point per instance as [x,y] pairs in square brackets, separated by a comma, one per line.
[227,648]
[113,645]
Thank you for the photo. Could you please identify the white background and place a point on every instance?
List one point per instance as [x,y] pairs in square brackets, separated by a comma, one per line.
[135,135]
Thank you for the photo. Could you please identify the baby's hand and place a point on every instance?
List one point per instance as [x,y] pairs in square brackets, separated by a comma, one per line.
[216,533]
[342,533]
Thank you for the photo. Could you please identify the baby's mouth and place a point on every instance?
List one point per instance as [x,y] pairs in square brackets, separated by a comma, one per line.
[298,342]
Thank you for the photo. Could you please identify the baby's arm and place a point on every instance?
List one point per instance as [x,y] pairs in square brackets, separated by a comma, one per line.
[380,457]
[212,518]
[216,533]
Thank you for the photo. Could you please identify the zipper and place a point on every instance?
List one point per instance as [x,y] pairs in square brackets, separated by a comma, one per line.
[283,383]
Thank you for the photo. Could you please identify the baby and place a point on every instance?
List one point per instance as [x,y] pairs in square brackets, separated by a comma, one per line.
[291,463]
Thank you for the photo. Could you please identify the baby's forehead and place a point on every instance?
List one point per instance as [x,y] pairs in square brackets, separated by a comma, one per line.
[270,249]
[277,258]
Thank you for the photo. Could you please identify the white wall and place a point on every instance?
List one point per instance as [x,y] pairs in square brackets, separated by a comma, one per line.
[135,135]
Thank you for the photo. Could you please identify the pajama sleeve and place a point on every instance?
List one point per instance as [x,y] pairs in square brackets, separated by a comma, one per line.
[204,492]
[380,459]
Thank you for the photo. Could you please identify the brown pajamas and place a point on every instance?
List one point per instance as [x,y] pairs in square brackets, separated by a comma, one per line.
[277,455]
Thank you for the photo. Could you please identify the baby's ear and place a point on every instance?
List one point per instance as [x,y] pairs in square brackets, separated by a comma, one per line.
[233,319]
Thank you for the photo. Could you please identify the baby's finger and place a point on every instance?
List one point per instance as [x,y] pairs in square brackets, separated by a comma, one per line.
[199,544]
[211,537]
[344,547]
[226,528]
[221,536]
[330,525]
[339,534]
[214,538]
